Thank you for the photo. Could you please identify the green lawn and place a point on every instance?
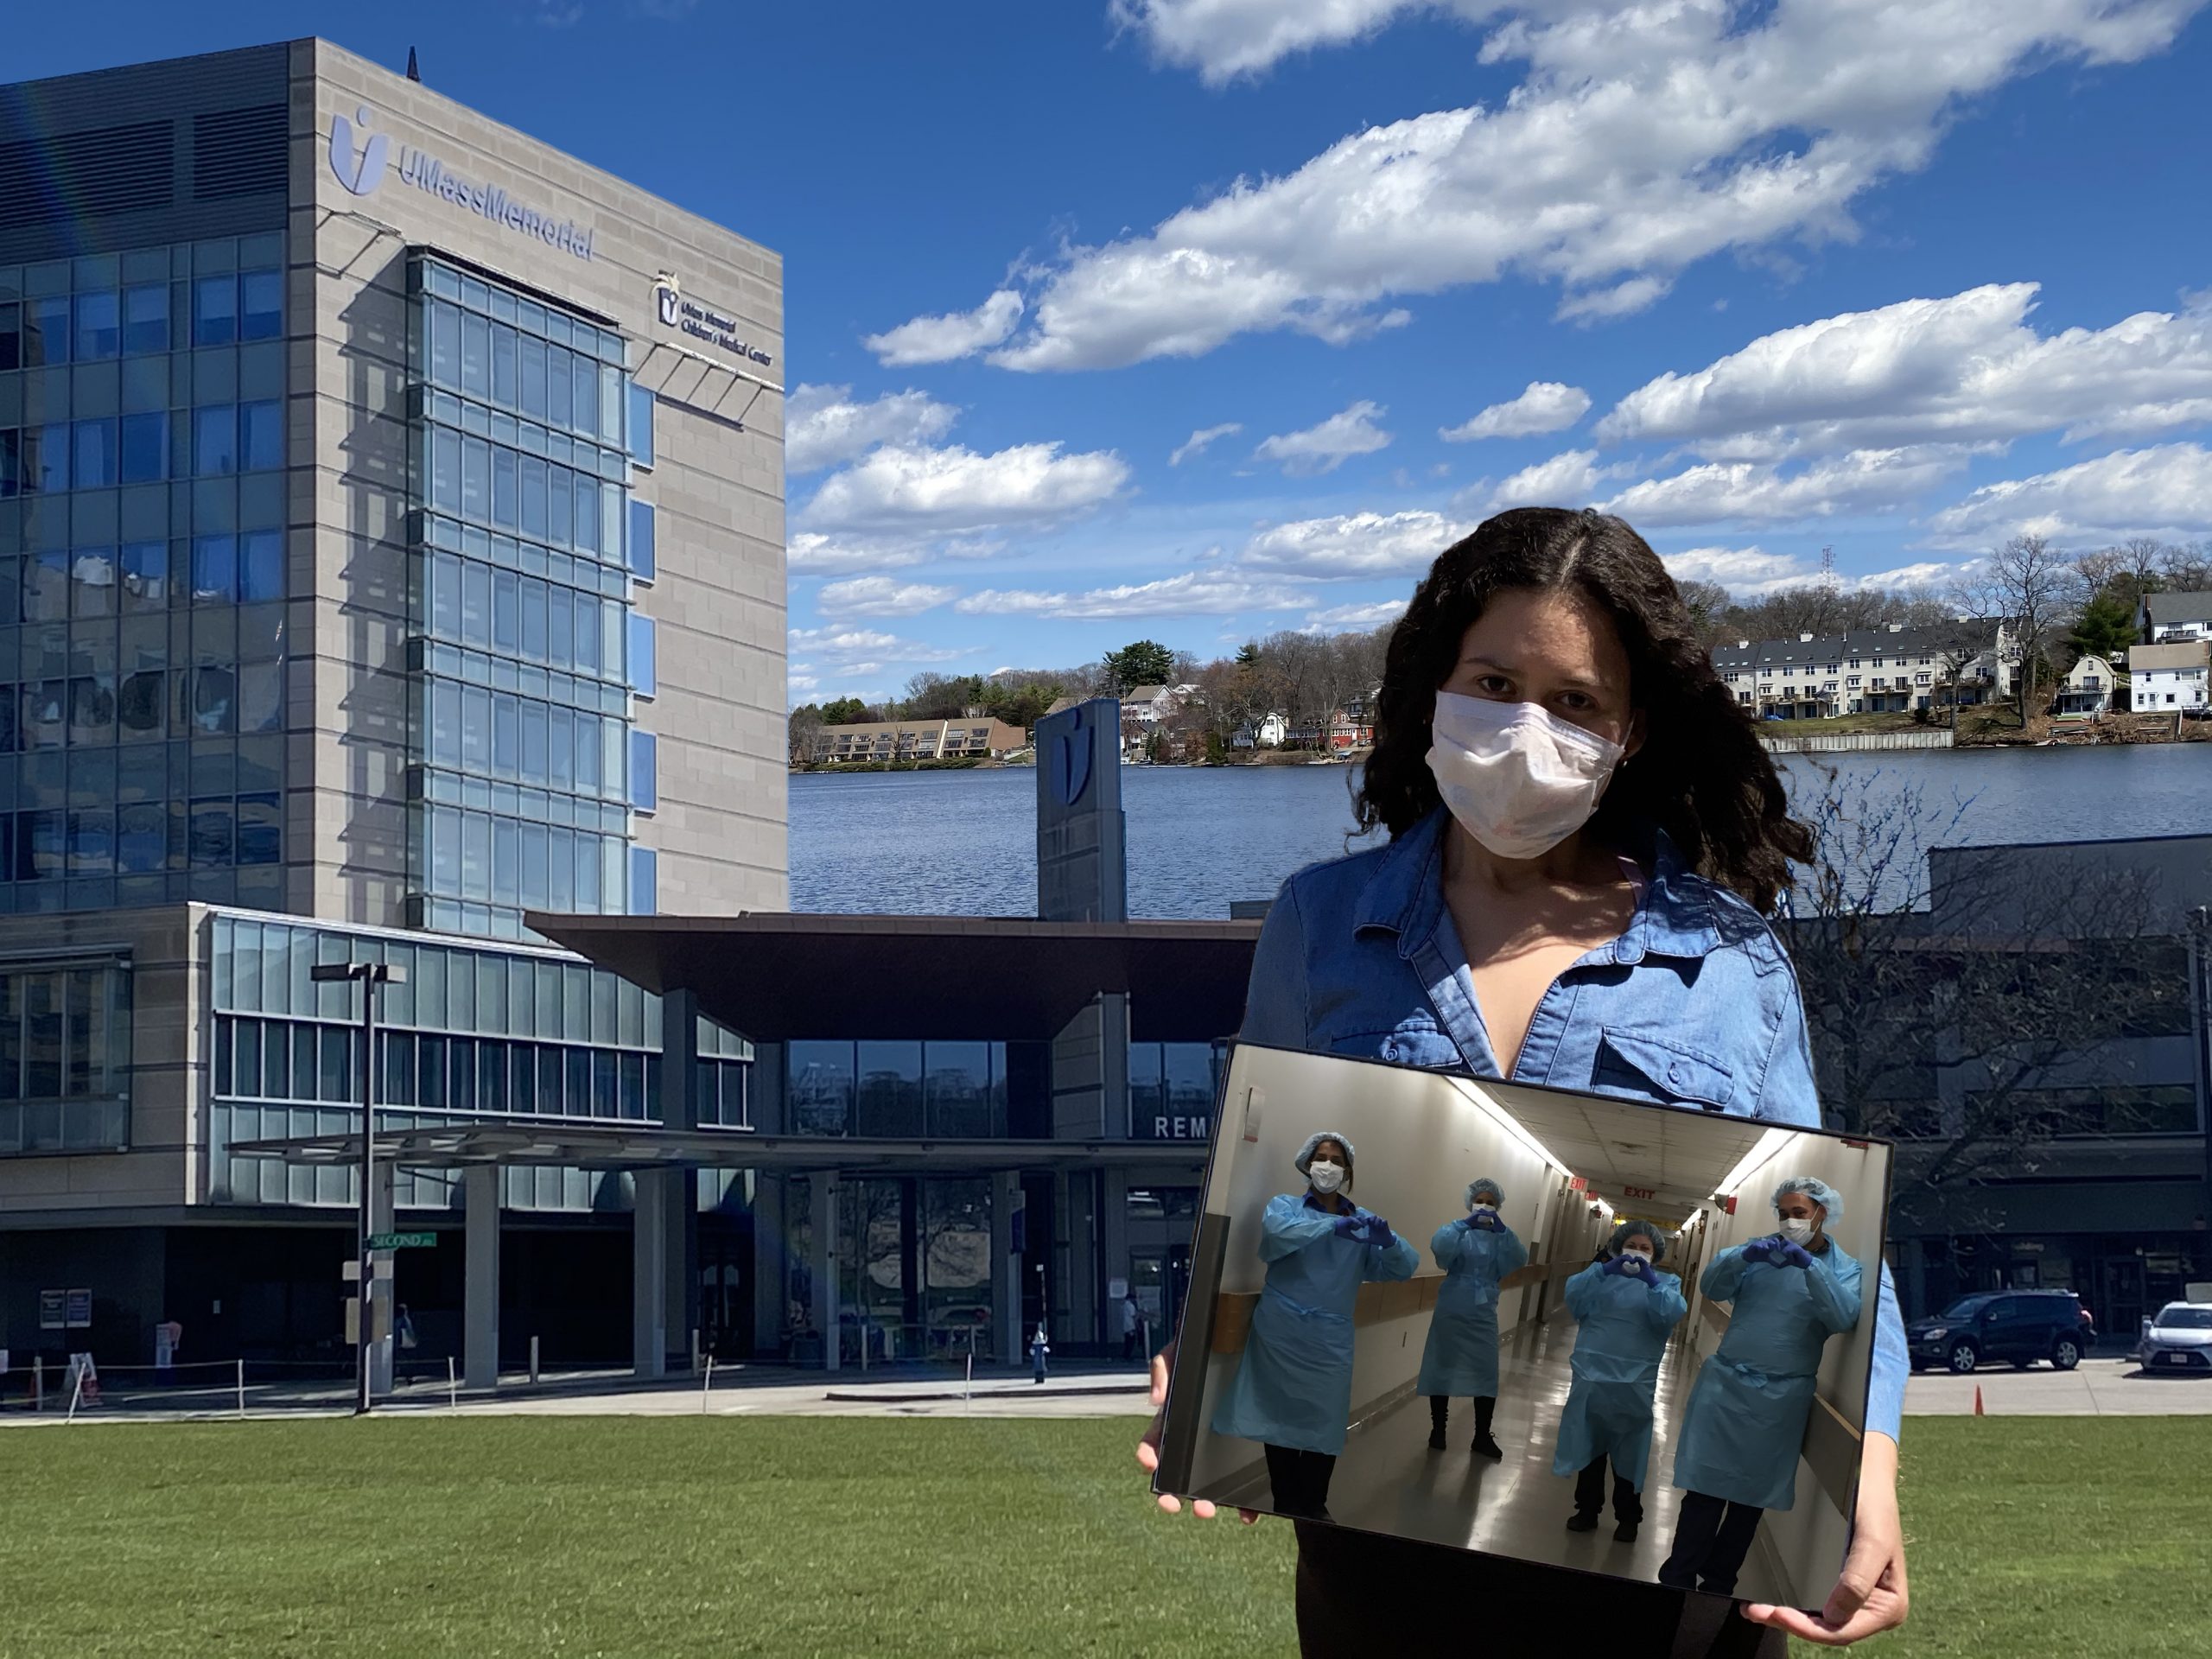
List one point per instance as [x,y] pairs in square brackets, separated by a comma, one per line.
[796,1537]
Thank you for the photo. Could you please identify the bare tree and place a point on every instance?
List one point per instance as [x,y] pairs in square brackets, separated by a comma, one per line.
[2026,583]
[2186,570]
[1956,1020]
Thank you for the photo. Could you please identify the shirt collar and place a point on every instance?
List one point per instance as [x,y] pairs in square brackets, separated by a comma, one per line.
[1405,896]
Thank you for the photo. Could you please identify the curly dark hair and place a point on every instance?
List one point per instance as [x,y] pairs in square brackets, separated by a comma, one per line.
[1702,775]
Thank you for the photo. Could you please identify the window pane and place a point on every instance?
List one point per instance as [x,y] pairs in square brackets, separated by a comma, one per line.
[645,882]
[214,568]
[820,1087]
[263,440]
[145,447]
[641,425]
[146,318]
[641,539]
[215,440]
[46,333]
[261,565]
[644,771]
[261,300]
[214,311]
[643,677]
[98,461]
[99,329]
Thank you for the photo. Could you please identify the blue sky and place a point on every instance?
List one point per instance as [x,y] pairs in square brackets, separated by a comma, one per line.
[1899,277]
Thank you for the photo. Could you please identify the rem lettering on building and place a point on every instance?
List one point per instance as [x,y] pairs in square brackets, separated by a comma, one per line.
[360,167]
[702,322]
[1181,1128]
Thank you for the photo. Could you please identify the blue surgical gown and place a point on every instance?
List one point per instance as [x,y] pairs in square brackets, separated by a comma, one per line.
[1625,1325]
[1294,1386]
[1461,1355]
[1745,1424]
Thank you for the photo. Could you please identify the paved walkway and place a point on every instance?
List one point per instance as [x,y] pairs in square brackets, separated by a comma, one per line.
[2096,1387]
[1075,1390]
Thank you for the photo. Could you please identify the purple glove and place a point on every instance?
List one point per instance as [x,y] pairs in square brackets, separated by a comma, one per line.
[1759,1249]
[1379,1236]
[1626,1267]
[1487,1220]
[1351,1227]
[1794,1256]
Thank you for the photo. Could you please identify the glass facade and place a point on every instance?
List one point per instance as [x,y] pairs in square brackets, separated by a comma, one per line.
[903,1090]
[65,1056]
[525,645]
[142,577]
[1173,1088]
[471,1032]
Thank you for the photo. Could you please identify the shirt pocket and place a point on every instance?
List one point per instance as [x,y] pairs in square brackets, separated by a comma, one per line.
[1646,1066]
[1415,1042]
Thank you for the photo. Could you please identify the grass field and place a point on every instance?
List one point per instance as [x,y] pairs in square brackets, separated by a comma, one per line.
[802,1536]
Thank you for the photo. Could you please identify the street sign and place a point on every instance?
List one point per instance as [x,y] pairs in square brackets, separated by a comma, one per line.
[402,1240]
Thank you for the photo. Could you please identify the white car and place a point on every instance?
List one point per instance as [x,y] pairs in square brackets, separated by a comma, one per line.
[2178,1339]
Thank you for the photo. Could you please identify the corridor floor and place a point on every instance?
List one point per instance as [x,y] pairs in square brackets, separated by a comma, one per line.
[1387,1480]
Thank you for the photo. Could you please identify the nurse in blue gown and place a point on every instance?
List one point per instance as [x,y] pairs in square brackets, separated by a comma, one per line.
[1628,1309]
[1745,1423]
[1476,1252]
[1292,1392]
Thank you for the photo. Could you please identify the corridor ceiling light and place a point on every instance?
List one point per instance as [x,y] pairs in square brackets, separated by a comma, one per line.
[1481,1097]
[1770,1147]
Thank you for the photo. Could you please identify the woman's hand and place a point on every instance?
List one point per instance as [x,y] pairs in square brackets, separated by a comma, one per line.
[1869,1595]
[1148,1447]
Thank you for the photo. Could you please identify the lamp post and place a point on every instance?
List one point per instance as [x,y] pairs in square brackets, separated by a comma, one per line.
[371,974]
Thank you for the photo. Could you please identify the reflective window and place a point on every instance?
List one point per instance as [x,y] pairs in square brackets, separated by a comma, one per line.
[145,447]
[97,460]
[100,326]
[146,319]
[214,310]
[819,1086]
[889,1089]
[644,679]
[641,425]
[641,539]
[644,771]
[215,440]
[645,882]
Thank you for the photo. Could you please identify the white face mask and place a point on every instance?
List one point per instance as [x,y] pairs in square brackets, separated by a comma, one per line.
[1484,1207]
[1519,779]
[1643,1256]
[1326,1177]
[1797,1230]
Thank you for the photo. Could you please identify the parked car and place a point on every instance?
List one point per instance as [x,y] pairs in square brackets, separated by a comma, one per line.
[2019,1325]
[2177,1338]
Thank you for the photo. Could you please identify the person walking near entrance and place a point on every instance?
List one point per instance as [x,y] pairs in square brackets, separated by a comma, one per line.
[1128,1327]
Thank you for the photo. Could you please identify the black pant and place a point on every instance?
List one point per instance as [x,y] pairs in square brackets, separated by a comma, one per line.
[1711,1541]
[1439,1412]
[1301,1480]
[1589,1493]
[1341,1611]
[1128,1345]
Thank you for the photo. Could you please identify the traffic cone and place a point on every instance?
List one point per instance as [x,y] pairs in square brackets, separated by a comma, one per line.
[1977,1399]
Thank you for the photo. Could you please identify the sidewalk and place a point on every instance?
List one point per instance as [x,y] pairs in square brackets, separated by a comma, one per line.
[2096,1387]
[1078,1390]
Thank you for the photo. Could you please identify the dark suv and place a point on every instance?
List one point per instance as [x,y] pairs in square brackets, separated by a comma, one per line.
[2019,1325]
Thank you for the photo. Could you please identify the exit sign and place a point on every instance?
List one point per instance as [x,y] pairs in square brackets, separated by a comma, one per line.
[1639,1191]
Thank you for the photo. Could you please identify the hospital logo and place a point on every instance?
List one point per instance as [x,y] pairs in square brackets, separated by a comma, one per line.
[671,302]
[360,172]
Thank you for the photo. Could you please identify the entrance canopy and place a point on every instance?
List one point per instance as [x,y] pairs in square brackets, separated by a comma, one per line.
[778,976]
[562,1143]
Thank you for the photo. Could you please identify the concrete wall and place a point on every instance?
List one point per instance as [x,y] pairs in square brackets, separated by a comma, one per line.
[716,487]
[1418,1141]
[166,1164]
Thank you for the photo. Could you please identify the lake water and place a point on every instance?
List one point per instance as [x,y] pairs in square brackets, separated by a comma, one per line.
[965,842]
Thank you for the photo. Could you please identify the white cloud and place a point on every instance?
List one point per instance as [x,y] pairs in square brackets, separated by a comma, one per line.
[853,651]
[824,427]
[1354,544]
[1757,493]
[2166,491]
[1966,368]
[1192,594]
[881,596]
[947,491]
[1325,448]
[1546,406]
[1197,442]
[958,334]
[1350,617]
[1750,572]
[1621,300]
[1570,479]
[1223,39]
[812,554]
[1641,138]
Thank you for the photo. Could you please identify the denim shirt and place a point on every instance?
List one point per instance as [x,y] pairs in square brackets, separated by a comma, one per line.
[1696,1005]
